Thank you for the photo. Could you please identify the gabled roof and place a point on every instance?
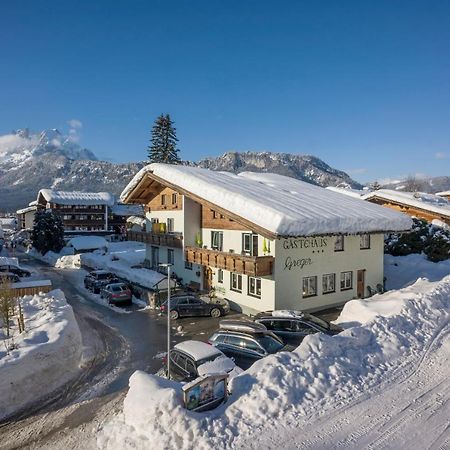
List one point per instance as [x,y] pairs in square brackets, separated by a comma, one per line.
[420,200]
[282,206]
[27,209]
[76,198]
[443,193]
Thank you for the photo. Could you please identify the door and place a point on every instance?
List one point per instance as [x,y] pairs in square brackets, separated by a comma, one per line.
[155,257]
[254,245]
[360,284]
[207,278]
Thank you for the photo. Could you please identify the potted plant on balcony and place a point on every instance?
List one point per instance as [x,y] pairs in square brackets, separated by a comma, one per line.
[266,247]
[198,240]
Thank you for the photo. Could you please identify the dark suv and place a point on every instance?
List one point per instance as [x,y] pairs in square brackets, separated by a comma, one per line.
[293,326]
[246,341]
[96,280]
[15,269]
[189,306]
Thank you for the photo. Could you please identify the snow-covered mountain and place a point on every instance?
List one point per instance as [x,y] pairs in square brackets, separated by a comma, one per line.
[422,184]
[32,161]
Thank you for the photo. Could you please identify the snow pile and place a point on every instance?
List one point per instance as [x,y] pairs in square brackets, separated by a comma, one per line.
[88,243]
[46,356]
[323,373]
[282,205]
[68,262]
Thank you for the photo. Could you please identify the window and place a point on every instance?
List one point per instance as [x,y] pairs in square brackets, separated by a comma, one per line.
[254,287]
[309,286]
[339,244]
[163,199]
[154,220]
[328,283]
[174,198]
[155,257]
[236,282]
[364,242]
[170,256]
[246,242]
[217,240]
[170,224]
[214,214]
[346,280]
[188,265]
[220,276]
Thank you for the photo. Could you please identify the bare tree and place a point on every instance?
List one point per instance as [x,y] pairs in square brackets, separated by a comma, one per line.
[413,184]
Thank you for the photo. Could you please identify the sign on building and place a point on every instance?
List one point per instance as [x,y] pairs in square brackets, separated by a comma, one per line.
[206,392]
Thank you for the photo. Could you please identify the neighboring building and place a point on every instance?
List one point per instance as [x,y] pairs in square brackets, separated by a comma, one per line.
[263,241]
[120,213]
[25,216]
[79,211]
[9,224]
[429,207]
[445,194]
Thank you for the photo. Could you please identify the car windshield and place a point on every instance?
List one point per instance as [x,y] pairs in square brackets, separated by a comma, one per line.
[116,288]
[209,358]
[270,344]
[317,321]
[102,276]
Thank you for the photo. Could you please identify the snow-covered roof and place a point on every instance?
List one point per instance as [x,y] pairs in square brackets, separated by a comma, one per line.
[356,193]
[121,209]
[136,220]
[77,198]
[281,205]
[87,242]
[27,209]
[198,350]
[429,202]
[443,193]
[33,203]
[8,222]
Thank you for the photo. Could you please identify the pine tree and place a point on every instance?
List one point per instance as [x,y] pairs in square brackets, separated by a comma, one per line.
[48,232]
[163,147]
[375,186]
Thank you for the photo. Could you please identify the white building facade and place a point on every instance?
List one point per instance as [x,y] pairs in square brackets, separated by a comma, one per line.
[246,237]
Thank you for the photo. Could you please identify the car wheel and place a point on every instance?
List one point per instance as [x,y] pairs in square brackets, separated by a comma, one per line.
[215,312]
[174,314]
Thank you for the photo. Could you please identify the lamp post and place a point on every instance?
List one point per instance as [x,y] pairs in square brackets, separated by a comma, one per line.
[168,266]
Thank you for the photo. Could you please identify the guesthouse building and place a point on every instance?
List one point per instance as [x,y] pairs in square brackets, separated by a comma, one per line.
[261,240]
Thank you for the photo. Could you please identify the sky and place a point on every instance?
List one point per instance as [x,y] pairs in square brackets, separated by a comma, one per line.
[363,85]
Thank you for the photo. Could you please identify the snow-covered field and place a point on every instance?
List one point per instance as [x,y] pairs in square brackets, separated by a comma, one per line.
[45,356]
[395,344]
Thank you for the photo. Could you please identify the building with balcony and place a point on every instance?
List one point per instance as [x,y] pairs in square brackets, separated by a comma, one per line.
[263,241]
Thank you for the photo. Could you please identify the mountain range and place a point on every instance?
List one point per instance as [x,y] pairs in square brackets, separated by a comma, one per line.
[32,161]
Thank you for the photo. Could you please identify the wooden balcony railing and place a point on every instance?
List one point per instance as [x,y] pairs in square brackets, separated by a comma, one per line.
[256,266]
[165,239]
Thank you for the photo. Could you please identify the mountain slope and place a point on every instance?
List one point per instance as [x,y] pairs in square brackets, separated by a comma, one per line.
[32,161]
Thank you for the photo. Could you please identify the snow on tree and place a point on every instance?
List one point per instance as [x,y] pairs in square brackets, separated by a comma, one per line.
[48,232]
[163,147]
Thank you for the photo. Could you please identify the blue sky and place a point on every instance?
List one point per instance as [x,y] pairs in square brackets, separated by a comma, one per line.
[364,85]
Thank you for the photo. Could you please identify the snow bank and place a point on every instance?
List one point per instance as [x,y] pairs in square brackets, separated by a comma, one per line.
[48,353]
[282,205]
[324,372]
[88,243]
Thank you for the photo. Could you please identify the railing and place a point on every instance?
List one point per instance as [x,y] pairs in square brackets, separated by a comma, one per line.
[255,266]
[165,239]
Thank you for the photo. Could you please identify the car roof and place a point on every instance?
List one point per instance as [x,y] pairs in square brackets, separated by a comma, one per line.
[282,314]
[117,284]
[243,326]
[100,272]
[197,350]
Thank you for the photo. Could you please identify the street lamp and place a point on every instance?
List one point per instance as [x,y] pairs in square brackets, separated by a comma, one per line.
[168,266]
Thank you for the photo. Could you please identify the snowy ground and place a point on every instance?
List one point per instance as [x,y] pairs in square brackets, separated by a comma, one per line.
[383,382]
[43,357]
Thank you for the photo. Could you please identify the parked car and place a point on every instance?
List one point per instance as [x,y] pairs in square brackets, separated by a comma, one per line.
[117,293]
[15,269]
[190,305]
[97,279]
[191,359]
[8,277]
[246,341]
[293,326]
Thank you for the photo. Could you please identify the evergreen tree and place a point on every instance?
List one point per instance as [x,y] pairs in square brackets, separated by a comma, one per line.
[163,147]
[48,232]
[375,186]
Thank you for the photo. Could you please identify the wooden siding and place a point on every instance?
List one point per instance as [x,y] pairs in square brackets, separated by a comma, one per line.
[429,216]
[256,266]
[213,219]
[155,204]
[174,240]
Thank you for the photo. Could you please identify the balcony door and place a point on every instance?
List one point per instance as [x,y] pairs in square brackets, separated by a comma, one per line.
[207,278]
[360,285]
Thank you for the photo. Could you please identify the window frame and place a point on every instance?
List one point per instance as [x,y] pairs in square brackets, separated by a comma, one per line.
[163,200]
[343,280]
[188,265]
[238,277]
[257,281]
[170,256]
[219,246]
[220,276]
[170,224]
[174,198]
[333,275]
[308,279]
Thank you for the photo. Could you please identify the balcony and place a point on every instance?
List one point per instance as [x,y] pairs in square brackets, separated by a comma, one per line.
[255,266]
[165,239]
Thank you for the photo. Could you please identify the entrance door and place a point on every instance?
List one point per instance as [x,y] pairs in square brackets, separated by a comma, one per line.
[360,285]
[207,278]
